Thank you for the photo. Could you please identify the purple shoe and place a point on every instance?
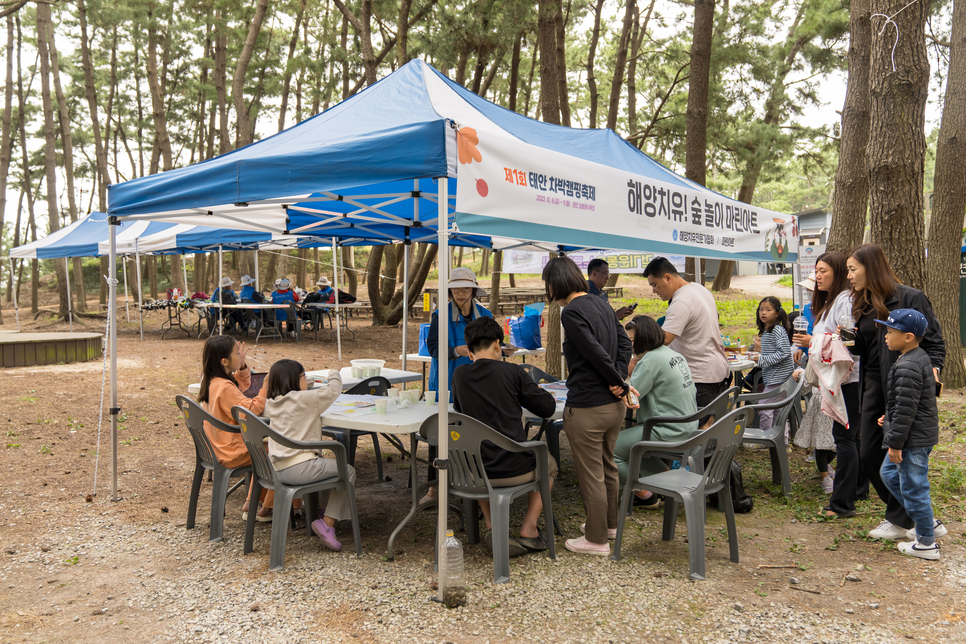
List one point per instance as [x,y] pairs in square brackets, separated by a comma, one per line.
[327,535]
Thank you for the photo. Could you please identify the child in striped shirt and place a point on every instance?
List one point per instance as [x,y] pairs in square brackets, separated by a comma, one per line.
[775,351]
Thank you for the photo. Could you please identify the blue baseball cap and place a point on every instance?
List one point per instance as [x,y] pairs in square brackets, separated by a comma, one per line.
[907,321]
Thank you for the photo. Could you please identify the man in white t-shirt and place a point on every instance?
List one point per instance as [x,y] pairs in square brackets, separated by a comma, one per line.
[691,328]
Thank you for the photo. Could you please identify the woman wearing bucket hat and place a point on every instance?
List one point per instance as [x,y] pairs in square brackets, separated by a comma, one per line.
[284,295]
[321,295]
[226,295]
[461,310]
[248,292]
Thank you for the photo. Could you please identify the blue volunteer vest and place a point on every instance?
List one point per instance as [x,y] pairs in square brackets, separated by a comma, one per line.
[457,327]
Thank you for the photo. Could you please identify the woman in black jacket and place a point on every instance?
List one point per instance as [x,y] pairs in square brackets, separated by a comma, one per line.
[597,352]
[876,291]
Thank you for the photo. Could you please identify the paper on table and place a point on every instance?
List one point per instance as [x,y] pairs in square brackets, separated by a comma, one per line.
[557,389]
[352,405]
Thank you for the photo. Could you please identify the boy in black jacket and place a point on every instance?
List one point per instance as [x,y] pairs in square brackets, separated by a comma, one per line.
[911,429]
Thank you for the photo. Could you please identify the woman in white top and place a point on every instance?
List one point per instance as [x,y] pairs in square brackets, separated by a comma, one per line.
[831,300]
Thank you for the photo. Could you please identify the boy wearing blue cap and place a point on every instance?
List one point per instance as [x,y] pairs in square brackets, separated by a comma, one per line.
[911,429]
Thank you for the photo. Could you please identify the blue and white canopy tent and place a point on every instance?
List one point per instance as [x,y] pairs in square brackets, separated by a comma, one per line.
[384,160]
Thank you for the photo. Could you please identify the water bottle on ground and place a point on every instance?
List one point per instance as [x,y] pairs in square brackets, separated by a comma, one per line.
[454,585]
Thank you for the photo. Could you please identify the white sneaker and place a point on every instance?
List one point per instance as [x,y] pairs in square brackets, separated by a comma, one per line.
[916,549]
[831,472]
[887,530]
[828,483]
[938,529]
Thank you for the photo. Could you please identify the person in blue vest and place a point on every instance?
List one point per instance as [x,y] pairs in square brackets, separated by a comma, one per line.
[226,295]
[284,295]
[248,293]
[321,296]
[462,308]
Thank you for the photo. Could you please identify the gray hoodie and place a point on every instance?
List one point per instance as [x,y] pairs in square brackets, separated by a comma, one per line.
[297,415]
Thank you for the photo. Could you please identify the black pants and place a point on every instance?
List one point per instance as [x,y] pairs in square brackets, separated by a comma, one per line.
[871,451]
[850,480]
[706,392]
[822,459]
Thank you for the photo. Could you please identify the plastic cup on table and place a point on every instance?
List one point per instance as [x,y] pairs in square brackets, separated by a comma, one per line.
[381,405]
[430,397]
[393,393]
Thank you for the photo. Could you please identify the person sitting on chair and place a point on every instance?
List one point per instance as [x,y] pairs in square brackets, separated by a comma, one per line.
[248,292]
[226,295]
[318,297]
[284,295]
[493,391]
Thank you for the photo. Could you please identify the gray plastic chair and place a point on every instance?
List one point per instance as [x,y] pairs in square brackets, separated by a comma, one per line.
[374,386]
[690,488]
[790,396]
[194,418]
[551,428]
[468,480]
[694,460]
[254,431]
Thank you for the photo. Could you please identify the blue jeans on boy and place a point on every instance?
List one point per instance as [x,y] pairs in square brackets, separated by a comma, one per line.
[908,482]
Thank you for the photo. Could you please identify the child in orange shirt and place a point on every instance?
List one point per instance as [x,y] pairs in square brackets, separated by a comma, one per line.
[225,377]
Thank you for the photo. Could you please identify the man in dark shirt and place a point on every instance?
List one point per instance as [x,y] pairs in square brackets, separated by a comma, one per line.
[493,392]
[599,272]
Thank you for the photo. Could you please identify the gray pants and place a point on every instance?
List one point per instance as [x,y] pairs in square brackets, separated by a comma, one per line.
[316,470]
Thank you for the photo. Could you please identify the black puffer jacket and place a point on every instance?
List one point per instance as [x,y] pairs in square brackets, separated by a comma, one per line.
[912,418]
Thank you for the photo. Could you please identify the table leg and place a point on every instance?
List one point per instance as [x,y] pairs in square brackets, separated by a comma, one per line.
[424,376]
[415,506]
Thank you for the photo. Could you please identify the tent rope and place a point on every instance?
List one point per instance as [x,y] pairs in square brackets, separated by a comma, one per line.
[100,415]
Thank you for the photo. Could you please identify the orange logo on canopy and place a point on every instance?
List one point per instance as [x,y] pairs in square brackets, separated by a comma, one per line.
[467,140]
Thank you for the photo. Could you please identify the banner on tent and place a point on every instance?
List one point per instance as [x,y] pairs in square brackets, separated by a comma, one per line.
[525,261]
[511,188]
[807,257]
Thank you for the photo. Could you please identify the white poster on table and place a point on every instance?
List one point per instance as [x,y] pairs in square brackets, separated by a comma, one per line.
[510,188]
[532,262]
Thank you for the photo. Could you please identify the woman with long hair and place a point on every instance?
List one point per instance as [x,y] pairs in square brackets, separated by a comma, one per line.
[831,299]
[875,291]
[225,378]
[597,352]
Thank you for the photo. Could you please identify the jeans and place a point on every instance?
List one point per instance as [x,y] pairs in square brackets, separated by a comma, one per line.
[908,482]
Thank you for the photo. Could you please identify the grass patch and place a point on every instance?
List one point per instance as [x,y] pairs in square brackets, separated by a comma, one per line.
[785,280]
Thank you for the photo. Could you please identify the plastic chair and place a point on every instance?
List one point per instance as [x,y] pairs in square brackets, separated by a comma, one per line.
[551,428]
[194,418]
[254,431]
[790,396]
[690,488]
[718,408]
[468,480]
[292,318]
[374,386]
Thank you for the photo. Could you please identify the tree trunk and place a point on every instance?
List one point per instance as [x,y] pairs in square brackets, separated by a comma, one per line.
[620,63]
[243,125]
[388,311]
[402,33]
[949,196]
[80,292]
[50,147]
[561,37]
[152,265]
[6,140]
[363,27]
[897,140]
[351,277]
[594,96]
[515,72]
[287,83]
[696,146]
[495,283]
[199,273]
[157,97]
[221,79]
[316,266]
[850,200]
[301,272]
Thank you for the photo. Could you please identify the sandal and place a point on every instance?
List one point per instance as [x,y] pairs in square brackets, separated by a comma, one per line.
[829,513]
[534,544]
[516,548]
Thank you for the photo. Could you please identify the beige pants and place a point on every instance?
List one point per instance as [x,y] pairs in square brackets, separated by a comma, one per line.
[526,478]
[592,433]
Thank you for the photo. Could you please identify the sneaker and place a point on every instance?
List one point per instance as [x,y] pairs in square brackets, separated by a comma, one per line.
[938,529]
[916,549]
[811,457]
[611,532]
[327,535]
[827,483]
[581,546]
[887,530]
[831,471]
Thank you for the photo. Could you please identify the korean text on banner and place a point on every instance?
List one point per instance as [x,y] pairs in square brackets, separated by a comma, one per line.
[511,188]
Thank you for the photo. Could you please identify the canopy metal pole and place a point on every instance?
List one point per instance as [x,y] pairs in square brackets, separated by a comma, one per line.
[184,273]
[221,298]
[13,288]
[335,279]
[257,287]
[112,342]
[70,315]
[137,265]
[405,311]
[127,311]
[442,395]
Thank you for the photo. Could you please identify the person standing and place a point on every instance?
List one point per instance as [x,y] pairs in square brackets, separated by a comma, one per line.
[597,351]
[831,300]
[875,291]
[598,272]
[691,328]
